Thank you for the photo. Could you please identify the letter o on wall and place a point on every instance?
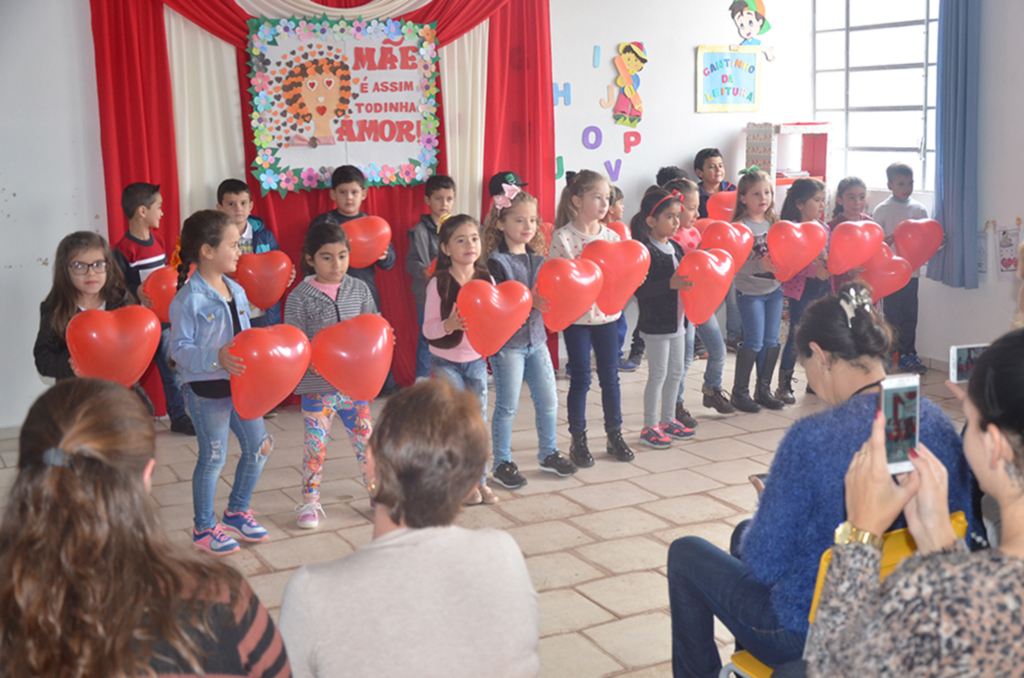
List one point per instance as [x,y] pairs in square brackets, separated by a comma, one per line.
[592,137]
[387,130]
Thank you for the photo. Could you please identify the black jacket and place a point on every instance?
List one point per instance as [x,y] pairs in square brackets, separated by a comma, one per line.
[659,303]
[53,359]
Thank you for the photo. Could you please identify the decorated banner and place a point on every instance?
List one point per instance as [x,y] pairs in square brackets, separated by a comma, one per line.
[728,79]
[330,93]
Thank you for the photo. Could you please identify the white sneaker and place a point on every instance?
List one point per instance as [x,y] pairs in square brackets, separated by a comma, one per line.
[420,380]
[307,515]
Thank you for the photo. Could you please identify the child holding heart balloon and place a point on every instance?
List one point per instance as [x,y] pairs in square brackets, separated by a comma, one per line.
[206,314]
[662,324]
[451,355]
[583,203]
[616,208]
[514,247]
[851,200]
[805,202]
[325,297]
[758,294]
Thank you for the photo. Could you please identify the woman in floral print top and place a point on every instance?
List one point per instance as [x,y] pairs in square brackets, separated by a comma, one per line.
[944,611]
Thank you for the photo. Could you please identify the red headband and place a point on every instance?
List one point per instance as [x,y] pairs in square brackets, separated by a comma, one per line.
[674,195]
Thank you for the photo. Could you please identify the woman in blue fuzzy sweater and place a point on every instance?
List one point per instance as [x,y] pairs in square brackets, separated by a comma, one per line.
[764,599]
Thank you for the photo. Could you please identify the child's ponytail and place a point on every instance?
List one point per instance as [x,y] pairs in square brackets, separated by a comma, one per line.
[576,184]
[205,227]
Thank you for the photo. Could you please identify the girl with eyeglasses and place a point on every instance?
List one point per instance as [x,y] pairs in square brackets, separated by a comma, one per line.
[84,277]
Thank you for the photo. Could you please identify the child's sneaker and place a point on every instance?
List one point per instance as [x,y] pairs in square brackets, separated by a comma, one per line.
[214,541]
[507,475]
[652,436]
[307,515]
[911,363]
[243,526]
[674,429]
[559,465]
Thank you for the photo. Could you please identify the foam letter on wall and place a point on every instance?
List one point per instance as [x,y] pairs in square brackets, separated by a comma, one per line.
[613,171]
[559,168]
[564,93]
[597,56]
[610,101]
[631,139]
[592,137]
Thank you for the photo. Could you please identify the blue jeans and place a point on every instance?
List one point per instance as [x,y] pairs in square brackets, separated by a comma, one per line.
[623,328]
[705,582]
[733,323]
[509,365]
[762,317]
[578,340]
[711,334]
[213,418]
[471,376]
[169,376]
[814,289]
[422,347]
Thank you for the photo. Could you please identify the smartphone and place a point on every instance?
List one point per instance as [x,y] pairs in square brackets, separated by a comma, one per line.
[962,359]
[900,400]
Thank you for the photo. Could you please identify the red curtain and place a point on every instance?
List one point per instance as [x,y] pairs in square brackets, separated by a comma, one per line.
[138,140]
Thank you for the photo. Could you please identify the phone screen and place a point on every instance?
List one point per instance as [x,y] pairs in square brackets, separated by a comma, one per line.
[962,360]
[900,406]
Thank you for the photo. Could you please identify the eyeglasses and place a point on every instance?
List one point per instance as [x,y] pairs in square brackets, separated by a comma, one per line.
[78,268]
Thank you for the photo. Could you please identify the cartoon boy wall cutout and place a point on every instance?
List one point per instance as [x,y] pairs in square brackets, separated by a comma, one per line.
[629,108]
[316,90]
[749,17]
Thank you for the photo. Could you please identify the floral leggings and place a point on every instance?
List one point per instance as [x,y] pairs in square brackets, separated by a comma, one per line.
[318,410]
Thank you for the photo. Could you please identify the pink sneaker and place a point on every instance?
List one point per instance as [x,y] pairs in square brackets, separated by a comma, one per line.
[675,429]
[307,515]
[214,541]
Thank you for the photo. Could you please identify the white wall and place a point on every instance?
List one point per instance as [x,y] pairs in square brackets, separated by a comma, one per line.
[672,131]
[957,316]
[51,171]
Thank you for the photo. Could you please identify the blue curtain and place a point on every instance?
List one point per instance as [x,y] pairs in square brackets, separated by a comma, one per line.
[956,143]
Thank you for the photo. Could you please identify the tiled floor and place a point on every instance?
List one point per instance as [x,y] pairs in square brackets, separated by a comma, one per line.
[595,544]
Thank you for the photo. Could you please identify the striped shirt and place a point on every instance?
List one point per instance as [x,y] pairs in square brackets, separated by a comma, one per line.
[138,258]
[311,310]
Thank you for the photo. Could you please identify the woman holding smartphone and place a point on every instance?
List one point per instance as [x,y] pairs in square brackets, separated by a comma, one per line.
[944,611]
[763,590]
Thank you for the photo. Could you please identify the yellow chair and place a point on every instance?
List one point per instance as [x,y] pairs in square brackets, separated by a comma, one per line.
[898,546]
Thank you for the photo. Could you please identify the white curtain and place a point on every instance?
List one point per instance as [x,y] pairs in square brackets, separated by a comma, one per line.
[207,100]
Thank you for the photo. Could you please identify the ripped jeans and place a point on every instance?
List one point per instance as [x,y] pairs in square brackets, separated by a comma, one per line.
[213,418]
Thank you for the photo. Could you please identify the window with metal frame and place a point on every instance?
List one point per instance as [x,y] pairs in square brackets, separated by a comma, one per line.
[874,79]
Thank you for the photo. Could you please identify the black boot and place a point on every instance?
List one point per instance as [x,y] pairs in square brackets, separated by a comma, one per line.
[763,393]
[745,359]
[617,447]
[785,390]
[579,452]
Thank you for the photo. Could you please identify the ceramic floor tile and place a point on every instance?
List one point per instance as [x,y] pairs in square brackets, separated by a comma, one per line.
[628,594]
[621,522]
[716,532]
[558,570]
[731,472]
[659,671]
[315,548]
[671,459]
[610,495]
[482,515]
[547,537]
[694,508]
[724,449]
[269,588]
[626,555]
[742,496]
[676,483]
[564,610]
[638,641]
[606,469]
[571,654]
[540,507]
[762,421]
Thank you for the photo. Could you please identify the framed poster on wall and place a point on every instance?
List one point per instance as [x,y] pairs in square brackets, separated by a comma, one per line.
[728,80]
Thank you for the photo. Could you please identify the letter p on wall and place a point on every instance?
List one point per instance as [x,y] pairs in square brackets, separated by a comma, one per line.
[629,140]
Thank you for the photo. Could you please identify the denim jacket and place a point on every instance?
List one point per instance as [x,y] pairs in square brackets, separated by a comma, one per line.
[201,325]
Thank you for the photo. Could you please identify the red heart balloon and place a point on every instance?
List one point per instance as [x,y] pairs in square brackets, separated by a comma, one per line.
[883,254]
[116,345]
[161,286]
[570,286]
[703,223]
[793,247]
[621,228]
[264,277]
[886,275]
[688,239]
[432,267]
[917,240]
[852,244]
[721,205]
[736,239]
[354,355]
[275,360]
[624,265]
[493,313]
[368,239]
[711,274]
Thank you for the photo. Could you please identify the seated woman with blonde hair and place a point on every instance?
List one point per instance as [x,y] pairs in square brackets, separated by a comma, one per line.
[90,585]
[944,611]
[425,598]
